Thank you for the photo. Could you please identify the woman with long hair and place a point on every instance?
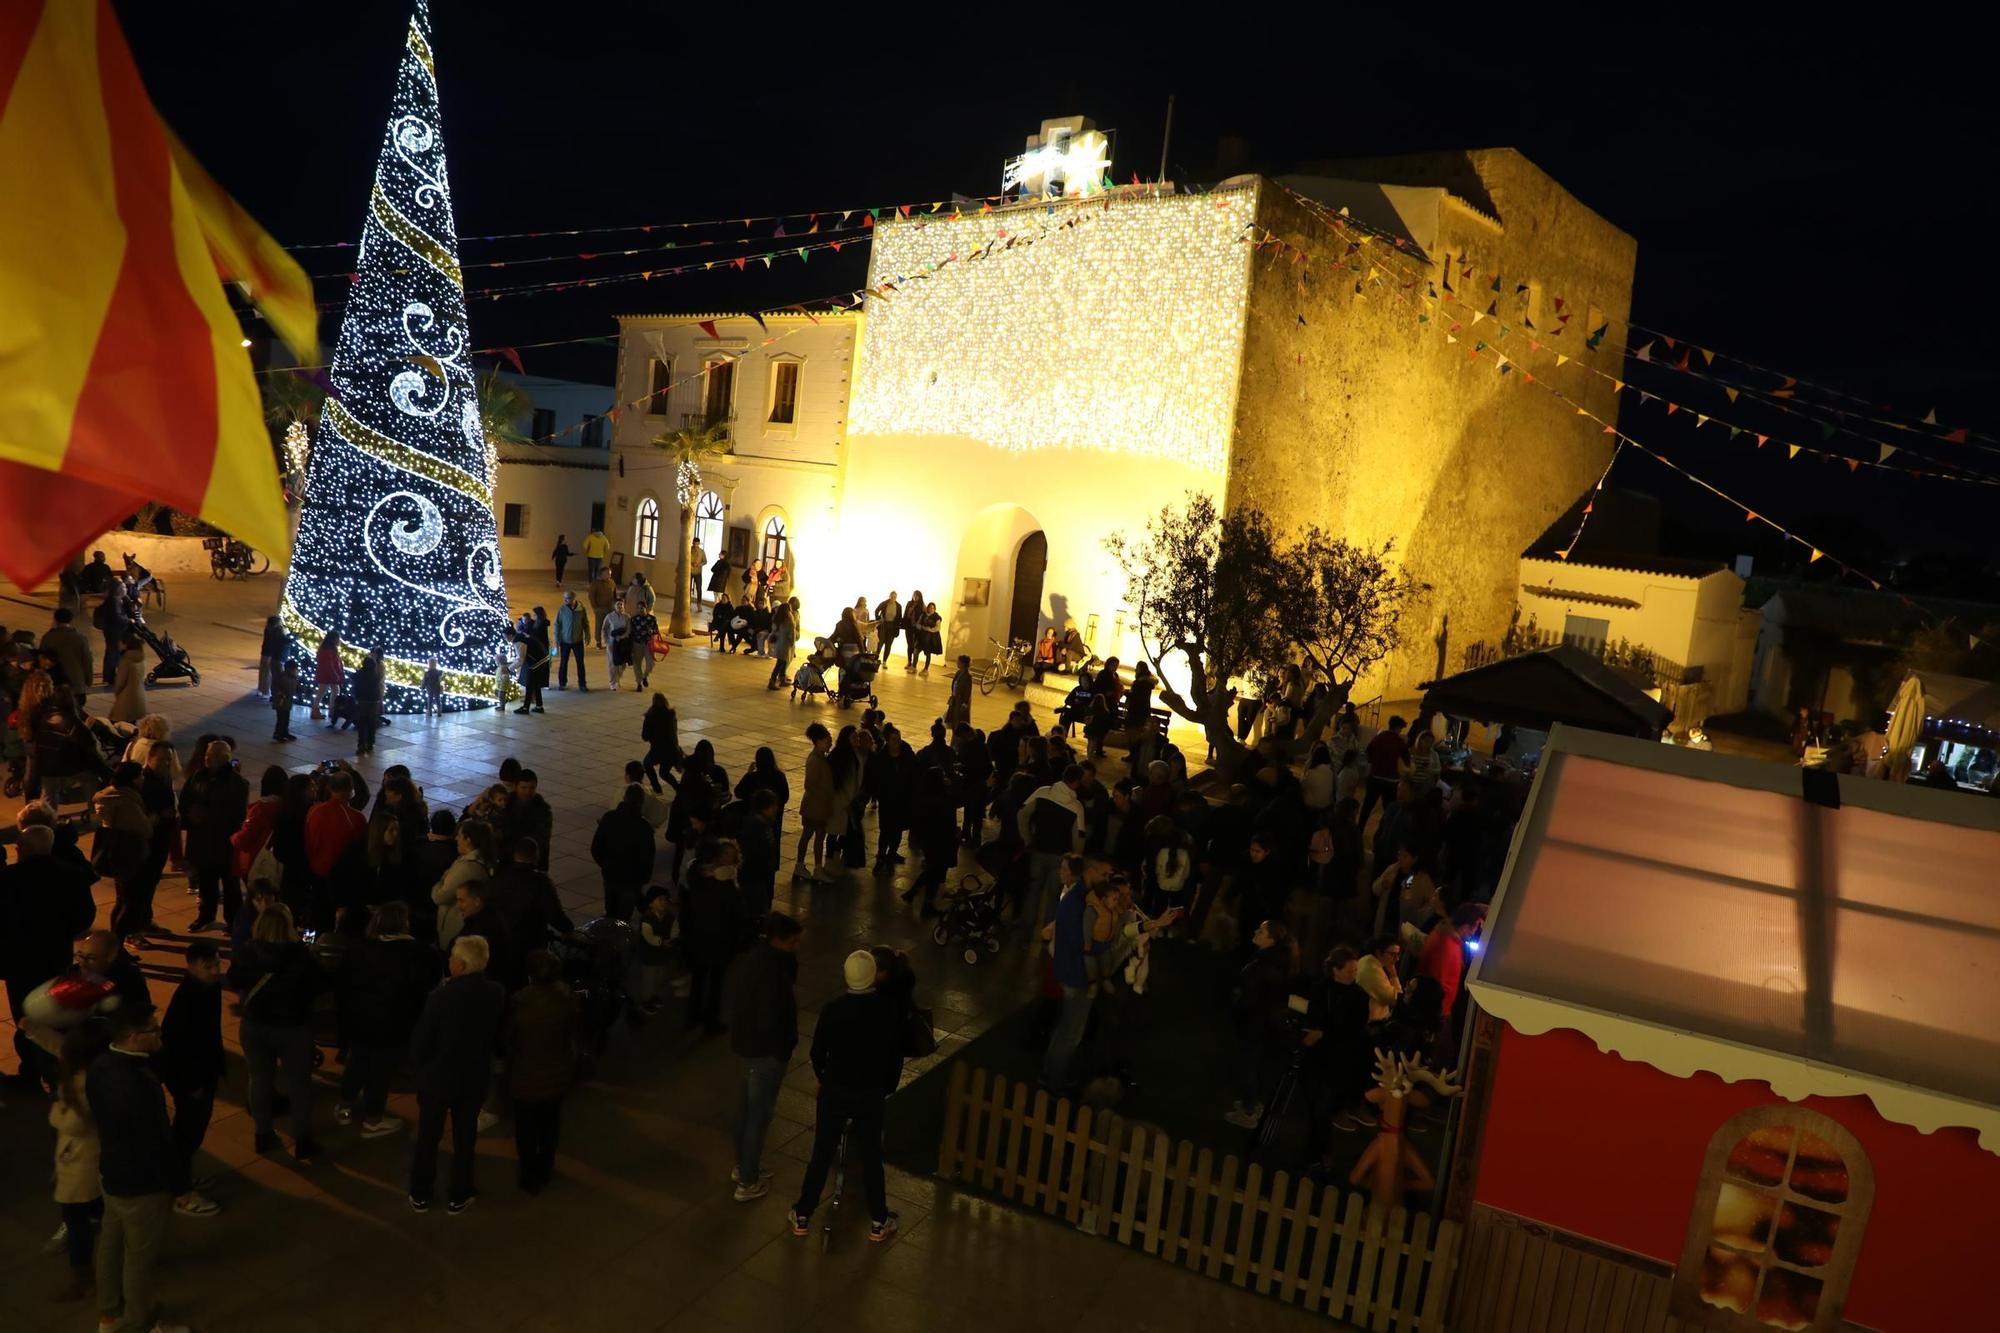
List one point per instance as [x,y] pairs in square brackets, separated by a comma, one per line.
[816,803]
[930,638]
[700,790]
[765,775]
[913,639]
[278,977]
[660,729]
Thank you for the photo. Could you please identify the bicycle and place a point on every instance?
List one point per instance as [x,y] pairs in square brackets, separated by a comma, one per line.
[1007,666]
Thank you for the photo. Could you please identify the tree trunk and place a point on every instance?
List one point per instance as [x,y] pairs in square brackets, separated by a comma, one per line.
[683,621]
[1209,710]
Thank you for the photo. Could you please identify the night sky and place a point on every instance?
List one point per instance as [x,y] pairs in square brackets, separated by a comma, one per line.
[1817,204]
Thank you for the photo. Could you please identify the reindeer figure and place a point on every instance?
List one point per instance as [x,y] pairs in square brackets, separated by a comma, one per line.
[1389,1164]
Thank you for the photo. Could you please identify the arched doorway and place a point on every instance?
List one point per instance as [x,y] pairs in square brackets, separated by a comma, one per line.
[1031,562]
[997,581]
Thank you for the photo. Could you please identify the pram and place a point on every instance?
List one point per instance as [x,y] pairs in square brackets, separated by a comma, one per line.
[175,664]
[595,961]
[810,678]
[857,679]
[970,916]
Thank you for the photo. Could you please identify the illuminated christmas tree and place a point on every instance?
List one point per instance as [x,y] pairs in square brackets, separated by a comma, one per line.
[397,547]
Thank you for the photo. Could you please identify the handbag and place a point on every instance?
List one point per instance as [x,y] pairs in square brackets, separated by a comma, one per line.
[660,646]
[919,1038]
[265,866]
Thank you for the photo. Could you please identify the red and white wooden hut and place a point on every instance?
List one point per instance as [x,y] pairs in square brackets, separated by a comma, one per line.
[1735,1062]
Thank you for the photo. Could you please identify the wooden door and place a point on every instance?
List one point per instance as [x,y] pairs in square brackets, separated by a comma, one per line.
[1030,563]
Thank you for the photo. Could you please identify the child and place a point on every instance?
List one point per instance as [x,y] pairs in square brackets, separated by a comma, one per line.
[503,672]
[191,1066]
[649,957]
[434,690]
[78,1192]
[284,688]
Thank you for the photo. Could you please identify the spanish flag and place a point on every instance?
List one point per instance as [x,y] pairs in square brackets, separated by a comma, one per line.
[123,376]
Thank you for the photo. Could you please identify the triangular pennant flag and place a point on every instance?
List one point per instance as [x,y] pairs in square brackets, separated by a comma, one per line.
[1673,408]
[1563,554]
[1682,364]
[1749,516]
[1853,465]
[1816,554]
[780,231]
[1761,439]
[1887,450]
[1496,282]
[1957,436]
[1731,393]
[1930,417]
[1618,386]
[1794,451]
[1644,353]
[1609,430]
[1493,309]
[760,322]
[708,326]
[1561,360]
[1708,356]
[1699,421]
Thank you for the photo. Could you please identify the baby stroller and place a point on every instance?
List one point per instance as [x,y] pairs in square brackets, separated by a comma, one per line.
[595,960]
[970,916]
[175,664]
[857,679]
[810,678]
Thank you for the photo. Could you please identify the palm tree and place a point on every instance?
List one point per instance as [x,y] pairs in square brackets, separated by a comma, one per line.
[503,406]
[291,406]
[688,447]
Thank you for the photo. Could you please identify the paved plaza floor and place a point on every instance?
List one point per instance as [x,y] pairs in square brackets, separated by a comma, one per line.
[638,1231]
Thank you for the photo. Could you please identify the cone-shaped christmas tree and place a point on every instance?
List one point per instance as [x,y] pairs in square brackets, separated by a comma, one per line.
[396,547]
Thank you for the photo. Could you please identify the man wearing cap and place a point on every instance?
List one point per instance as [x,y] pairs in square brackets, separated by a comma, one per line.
[857,1051]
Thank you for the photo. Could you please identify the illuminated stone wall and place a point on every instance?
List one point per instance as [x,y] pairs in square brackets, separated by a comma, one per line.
[1363,420]
[1121,333]
[1073,386]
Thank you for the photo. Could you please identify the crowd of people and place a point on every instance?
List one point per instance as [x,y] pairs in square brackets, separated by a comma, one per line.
[428,947]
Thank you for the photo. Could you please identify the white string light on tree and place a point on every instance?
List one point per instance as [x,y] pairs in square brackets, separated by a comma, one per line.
[397,547]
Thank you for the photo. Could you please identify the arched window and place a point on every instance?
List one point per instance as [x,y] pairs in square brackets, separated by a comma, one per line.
[1777,1222]
[776,549]
[708,524]
[646,530]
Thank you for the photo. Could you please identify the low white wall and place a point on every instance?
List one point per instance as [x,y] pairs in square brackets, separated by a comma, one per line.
[162,555]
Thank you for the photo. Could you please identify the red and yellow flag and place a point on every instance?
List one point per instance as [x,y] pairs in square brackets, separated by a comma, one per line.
[123,377]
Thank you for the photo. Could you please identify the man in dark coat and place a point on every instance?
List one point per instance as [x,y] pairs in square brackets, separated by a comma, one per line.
[713,927]
[137,1163]
[213,803]
[763,1030]
[452,1049]
[45,903]
[889,775]
[624,849]
[857,1052]
[527,900]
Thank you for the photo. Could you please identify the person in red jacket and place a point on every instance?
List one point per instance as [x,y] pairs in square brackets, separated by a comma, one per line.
[259,822]
[1443,958]
[332,825]
[329,675]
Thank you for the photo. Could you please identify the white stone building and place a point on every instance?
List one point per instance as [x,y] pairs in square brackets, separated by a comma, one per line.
[554,485]
[781,388]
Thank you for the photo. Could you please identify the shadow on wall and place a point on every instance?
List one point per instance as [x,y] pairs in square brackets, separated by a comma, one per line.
[1467,545]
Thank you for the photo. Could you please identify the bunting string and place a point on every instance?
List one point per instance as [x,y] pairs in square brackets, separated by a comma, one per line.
[1473,315]
[1781,396]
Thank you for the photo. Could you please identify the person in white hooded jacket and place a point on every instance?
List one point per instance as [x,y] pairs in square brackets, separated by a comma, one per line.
[473,866]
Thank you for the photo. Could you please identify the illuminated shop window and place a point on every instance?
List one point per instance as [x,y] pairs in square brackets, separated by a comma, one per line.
[1777,1222]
